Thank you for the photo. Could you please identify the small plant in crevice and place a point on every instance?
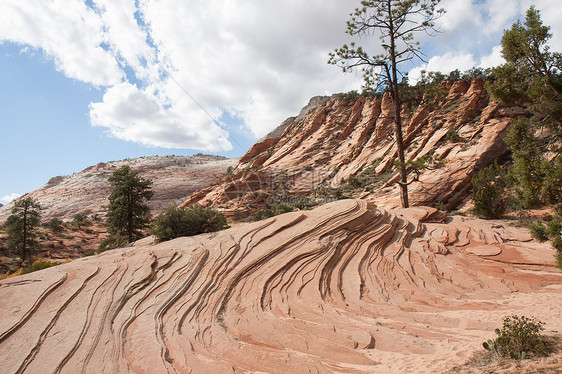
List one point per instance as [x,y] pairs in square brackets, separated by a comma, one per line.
[452,135]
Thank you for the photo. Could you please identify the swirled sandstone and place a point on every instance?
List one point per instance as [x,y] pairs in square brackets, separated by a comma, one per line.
[345,288]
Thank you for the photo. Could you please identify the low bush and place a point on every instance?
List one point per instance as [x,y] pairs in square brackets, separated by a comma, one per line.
[38,265]
[55,225]
[112,242]
[518,337]
[549,229]
[490,194]
[194,220]
[272,211]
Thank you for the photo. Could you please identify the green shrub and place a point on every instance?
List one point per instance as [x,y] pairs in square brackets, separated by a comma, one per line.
[351,95]
[452,135]
[55,225]
[551,231]
[80,220]
[354,182]
[272,211]
[38,265]
[538,231]
[518,337]
[194,220]
[112,242]
[490,192]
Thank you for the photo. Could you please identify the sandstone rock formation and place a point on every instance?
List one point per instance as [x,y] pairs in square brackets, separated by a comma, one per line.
[340,138]
[86,192]
[345,288]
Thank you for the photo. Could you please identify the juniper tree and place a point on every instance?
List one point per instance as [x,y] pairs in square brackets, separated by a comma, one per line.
[533,73]
[22,226]
[396,22]
[128,215]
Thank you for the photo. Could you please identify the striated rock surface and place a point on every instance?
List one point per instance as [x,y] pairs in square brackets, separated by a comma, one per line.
[339,138]
[86,192]
[344,288]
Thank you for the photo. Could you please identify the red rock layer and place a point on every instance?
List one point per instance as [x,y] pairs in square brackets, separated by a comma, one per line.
[345,288]
[343,137]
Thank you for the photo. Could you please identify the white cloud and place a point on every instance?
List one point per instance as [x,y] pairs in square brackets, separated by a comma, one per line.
[137,115]
[500,14]
[259,61]
[461,61]
[495,58]
[7,198]
[444,64]
[67,31]
[459,13]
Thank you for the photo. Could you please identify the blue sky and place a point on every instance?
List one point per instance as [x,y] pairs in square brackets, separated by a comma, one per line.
[83,82]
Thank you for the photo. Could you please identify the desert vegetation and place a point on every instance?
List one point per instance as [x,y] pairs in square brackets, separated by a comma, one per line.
[518,338]
[534,175]
[188,221]
[128,214]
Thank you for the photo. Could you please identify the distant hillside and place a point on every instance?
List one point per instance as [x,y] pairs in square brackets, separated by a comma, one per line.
[86,192]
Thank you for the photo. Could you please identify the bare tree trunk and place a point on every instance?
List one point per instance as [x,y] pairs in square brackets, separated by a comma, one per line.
[400,145]
[397,105]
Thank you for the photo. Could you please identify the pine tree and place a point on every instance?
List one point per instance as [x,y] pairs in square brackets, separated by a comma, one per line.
[396,21]
[128,215]
[22,227]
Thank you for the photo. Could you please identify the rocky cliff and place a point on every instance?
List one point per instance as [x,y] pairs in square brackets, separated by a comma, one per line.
[340,138]
[344,288]
[174,179]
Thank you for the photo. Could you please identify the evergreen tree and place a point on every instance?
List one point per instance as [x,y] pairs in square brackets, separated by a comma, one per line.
[533,73]
[22,226]
[128,213]
[396,21]
[490,187]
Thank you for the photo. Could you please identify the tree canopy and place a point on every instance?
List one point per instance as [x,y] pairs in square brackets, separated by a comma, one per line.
[532,76]
[22,227]
[128,214]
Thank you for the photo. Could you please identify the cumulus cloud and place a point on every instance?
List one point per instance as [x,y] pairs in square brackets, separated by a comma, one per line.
[7,198]
[136,115]
[495,58]
[444,64]
[258,61]
[67,31]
